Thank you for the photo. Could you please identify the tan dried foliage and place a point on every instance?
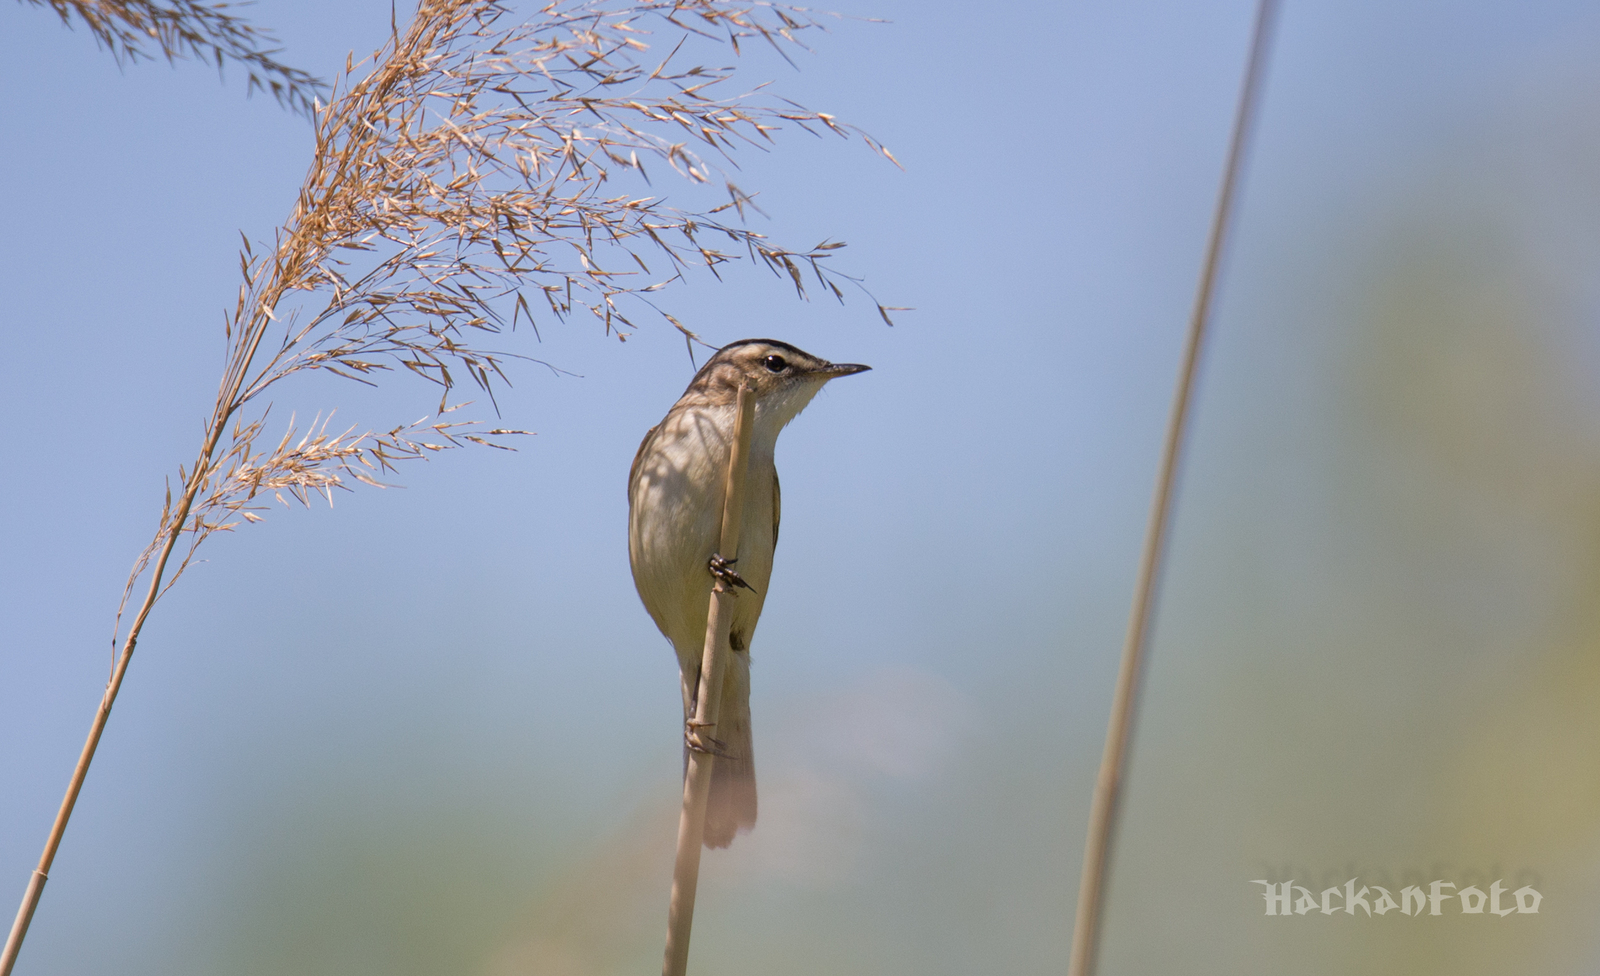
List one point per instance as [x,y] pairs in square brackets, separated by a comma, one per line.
[467,184]
[134,29]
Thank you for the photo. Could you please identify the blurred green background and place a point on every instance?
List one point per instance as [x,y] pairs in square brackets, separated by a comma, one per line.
[432,731]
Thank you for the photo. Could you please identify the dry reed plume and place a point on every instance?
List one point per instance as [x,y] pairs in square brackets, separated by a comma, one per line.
[464,185]
[467,172]
[185,28]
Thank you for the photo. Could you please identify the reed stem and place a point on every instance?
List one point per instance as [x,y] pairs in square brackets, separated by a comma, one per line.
[708,700]
[1103,814]
[41,874]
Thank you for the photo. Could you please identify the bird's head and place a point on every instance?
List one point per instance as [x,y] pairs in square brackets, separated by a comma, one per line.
[783,378]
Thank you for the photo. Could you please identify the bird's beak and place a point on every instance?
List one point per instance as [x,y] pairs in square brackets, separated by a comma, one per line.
[834,370]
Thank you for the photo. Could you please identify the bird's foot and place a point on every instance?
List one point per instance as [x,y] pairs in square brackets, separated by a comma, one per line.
[704,744]
[722,570]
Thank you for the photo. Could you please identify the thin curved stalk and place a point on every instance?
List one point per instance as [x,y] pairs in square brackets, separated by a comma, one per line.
[41,874]
[1113,763]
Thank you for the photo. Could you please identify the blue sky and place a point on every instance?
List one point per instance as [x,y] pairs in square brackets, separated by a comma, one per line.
[432,729]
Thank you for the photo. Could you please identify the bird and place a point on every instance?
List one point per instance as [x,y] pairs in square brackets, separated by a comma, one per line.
[675,499]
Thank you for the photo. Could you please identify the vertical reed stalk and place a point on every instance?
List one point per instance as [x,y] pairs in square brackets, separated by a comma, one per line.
[1113,763]
[697,778]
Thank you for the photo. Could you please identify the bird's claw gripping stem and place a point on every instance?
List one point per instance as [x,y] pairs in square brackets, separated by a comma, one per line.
[722,570]
[701,743]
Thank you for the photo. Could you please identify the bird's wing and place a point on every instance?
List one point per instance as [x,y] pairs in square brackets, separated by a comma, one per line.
[777,508]
[633,472]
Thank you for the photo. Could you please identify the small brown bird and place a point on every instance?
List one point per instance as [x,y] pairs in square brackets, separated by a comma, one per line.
[675,498]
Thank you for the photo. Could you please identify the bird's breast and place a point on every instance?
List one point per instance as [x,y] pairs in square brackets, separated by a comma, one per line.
[675,522]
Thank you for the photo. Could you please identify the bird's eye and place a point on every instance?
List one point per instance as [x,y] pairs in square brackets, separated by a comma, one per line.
[776,364]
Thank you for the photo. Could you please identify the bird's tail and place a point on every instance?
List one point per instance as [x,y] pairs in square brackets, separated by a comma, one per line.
[731,806]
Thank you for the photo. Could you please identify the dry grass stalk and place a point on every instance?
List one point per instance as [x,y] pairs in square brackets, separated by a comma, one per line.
[697,777]
[133,29]
[1105,810]
[467,183]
